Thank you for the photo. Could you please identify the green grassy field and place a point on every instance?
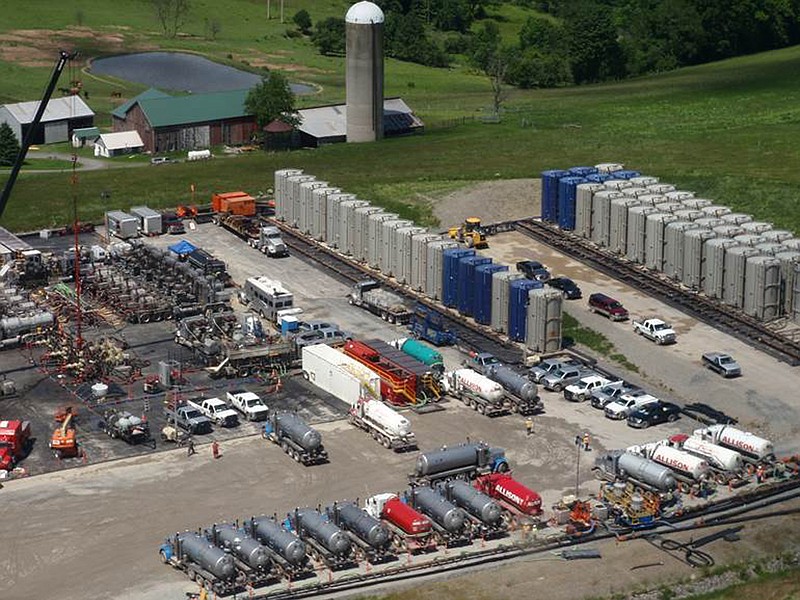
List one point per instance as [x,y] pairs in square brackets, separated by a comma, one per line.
[726,130]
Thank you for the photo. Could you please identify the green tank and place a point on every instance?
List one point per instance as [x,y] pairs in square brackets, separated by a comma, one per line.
[423,353]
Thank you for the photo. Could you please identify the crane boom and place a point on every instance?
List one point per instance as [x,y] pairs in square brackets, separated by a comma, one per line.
[63,58]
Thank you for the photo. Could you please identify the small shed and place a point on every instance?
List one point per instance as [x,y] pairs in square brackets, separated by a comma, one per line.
[118,144]
[84,135]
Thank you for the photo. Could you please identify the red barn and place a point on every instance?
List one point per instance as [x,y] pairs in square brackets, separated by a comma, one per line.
[194,122]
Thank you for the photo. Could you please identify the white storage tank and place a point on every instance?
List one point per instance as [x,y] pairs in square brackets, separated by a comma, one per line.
[319,220]
[688,214]
[305,208]
[669,206]
[281,192]
[419,259]
[682,462]
[729,230]
[435,274]
[762,288]
[770,248]
[749,239]
[674,247]
[617,184]
[388,243]
[601,215]
[643,180]
[777,235]
[716,210]
[637,233]
[717,456]
[789,261]
[796,296]
[375,236]
[757,227]
[544,319]
[710,222]
[618,231]
[636,191]
[361,231]
[713,269]
[661,188]
[501,283]
[401,256]
[734,275]
[584,196]
[333,217]
[694,257]
[655,238]
[609,167]
[294,199]
[678,195]
[650,199]
[347,217]
[696,203]
[736,218]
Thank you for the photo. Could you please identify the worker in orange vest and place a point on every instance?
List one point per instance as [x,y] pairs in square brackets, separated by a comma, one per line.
[586,441]
[215,449]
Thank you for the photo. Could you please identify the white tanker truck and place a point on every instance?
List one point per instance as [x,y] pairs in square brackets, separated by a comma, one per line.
[476,391]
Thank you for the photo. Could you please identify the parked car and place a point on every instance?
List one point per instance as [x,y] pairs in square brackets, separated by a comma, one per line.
[568,287]
[581,390]
[654,413]
[548,365]
[561,378]
[160,160]
[626,404]
[722,363]
[316,324]
[610,392]
[608,307]
[533,269]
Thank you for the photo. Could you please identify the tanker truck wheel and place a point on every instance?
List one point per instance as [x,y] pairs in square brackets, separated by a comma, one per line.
[481,409]
[190,573]
[164,558]
[503,467]
[387,443]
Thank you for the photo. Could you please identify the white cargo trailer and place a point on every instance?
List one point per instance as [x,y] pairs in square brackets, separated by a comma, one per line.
[121,224]
[339,375]
[149,220]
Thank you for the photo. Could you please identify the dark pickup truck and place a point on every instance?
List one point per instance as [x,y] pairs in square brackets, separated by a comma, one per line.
[533,269]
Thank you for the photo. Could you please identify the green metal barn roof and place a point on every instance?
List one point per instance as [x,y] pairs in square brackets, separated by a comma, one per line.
[195,108]
[123,109]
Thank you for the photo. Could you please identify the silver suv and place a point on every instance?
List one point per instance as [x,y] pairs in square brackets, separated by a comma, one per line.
[610,392]
[561,378]
[549,365]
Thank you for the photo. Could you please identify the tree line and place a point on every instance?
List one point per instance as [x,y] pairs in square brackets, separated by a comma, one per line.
[576,41]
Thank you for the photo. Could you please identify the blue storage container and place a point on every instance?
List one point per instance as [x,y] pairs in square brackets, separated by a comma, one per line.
[582,171]
[518,307]
[599,177]
[550,194]
[466,282]
[451,257]
[567,188]
[626,174]
[483,292]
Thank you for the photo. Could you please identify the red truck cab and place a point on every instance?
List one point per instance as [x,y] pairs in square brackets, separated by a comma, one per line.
[14,442]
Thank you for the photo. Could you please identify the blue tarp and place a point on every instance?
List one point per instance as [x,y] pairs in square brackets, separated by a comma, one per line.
[182,248]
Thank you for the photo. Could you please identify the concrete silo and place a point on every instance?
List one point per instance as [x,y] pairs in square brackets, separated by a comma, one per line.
[364,81]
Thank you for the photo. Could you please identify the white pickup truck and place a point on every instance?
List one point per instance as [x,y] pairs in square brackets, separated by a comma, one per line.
[249,404]
[627,403]
[656,330]
[216,410]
